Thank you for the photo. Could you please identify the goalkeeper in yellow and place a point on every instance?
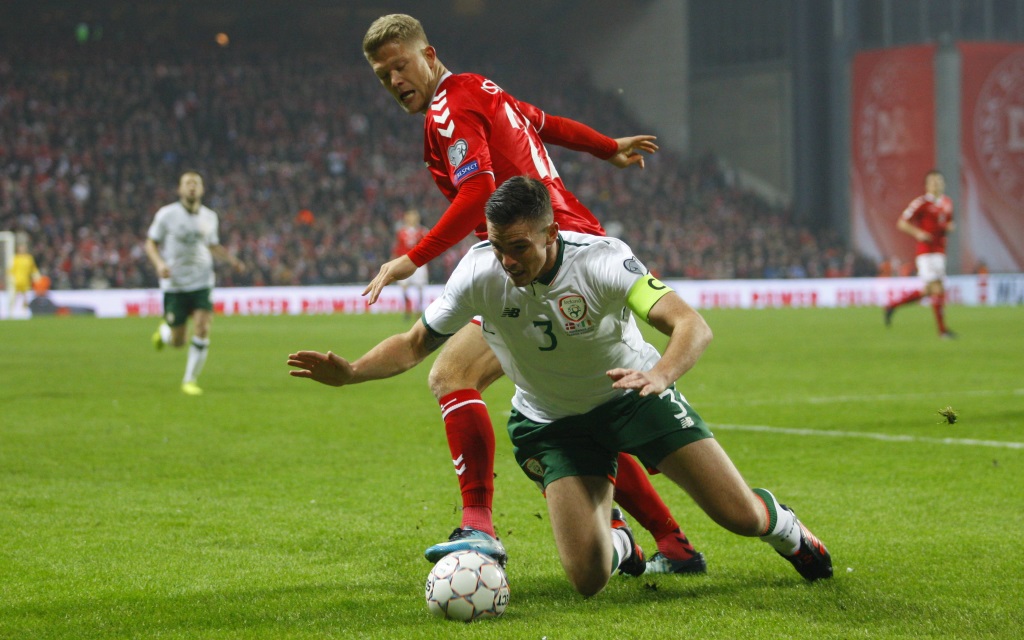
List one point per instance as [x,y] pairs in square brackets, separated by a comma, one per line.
[25,273]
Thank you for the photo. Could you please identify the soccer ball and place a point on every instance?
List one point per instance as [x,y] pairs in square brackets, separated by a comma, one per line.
[467,586]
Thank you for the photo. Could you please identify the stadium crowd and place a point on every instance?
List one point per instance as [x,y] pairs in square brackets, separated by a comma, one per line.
[310,167]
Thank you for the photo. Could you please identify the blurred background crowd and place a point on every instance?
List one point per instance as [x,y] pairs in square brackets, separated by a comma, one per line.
[310,166]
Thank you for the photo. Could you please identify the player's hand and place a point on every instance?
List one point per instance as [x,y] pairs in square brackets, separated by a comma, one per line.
[630,148]
[326,368]
[163,271]
[239,266]
[397,269]
[646,382]
[924,236]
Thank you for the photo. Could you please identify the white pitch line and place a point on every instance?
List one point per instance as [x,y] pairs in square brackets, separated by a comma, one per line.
[880,397]
[870,436]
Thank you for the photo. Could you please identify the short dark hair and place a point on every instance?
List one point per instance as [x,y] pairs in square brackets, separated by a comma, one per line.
[520,199]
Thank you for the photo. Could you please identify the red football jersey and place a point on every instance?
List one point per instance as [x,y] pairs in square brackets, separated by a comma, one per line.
[406,238]
[472,126]
[932,215]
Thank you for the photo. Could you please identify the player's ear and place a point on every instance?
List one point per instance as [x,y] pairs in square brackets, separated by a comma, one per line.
[552,233]
[430,54]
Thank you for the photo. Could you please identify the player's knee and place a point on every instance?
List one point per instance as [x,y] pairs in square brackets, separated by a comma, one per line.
[588,581]
[444,380]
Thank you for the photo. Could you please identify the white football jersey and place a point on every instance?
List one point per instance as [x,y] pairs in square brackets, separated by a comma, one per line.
[184,240]
[557,337]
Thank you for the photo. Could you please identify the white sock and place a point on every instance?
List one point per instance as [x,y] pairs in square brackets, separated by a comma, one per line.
[197,351]
[622,549]
[165,333]
[784,530]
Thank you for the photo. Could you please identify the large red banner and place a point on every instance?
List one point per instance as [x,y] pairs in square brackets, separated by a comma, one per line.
[991,218]
[893,144]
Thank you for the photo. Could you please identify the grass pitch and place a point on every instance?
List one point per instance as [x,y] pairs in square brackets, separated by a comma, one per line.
[272,507]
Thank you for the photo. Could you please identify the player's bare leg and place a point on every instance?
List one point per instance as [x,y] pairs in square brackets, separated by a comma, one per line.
[704,471]
[580,510]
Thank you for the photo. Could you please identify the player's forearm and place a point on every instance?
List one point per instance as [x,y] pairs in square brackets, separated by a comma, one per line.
[153,252]
[460,219]
[689,335]
[908,228]
[222,254]
[577,136]
[393,356]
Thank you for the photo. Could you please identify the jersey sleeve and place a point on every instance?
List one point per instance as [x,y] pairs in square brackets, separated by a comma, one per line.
[213,233]
[577,136]
[157,229]
[462,217]
[458,130]
[454,308]
[910,213]
[623,278]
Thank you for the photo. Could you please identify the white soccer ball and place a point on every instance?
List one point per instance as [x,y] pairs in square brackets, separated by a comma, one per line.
[467,586]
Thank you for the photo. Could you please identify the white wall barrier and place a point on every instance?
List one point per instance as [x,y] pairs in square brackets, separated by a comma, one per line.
[985,290]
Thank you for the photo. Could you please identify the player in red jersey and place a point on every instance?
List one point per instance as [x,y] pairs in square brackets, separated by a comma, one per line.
[475,137]
[407,237]
[929,219]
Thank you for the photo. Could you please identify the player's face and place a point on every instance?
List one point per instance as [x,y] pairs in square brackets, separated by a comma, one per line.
[406,70]
[935,184]
[524,252]
[190,188]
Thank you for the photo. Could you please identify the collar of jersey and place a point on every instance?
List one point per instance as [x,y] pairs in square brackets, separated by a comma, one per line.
[547,278]
[447,74]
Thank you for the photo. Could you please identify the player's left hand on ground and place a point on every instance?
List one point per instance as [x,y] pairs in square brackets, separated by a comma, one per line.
[327,368]
[630,148]
[644,381]
[398,269]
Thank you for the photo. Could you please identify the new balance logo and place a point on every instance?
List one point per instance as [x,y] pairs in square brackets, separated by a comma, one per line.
[510,312]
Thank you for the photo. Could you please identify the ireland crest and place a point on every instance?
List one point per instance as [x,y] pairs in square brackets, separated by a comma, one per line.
[573,307]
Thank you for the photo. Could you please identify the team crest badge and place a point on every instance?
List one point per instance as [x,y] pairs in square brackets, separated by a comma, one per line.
[573,307]
[457,152]
[534,468]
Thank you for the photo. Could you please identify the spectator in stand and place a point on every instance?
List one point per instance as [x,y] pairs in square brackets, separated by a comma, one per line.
[91,136]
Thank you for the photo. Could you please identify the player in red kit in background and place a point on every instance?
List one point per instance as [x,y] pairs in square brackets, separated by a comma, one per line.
[476,136]
[407,237]
[929,219]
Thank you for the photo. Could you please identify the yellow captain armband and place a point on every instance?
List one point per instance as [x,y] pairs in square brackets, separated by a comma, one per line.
[644,293]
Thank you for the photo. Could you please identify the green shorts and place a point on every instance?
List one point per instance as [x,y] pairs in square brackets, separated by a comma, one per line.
[179,305]
[588,445]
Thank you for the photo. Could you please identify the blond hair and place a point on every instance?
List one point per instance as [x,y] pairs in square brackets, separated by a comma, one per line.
[396,27]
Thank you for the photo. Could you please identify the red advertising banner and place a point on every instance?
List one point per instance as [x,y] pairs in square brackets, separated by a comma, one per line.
[990,221]
[893,144]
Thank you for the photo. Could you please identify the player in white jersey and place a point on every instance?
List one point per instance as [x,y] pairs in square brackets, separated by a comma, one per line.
[559,310]
[181,243]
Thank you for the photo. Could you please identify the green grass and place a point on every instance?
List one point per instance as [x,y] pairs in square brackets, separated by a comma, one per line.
[273,507]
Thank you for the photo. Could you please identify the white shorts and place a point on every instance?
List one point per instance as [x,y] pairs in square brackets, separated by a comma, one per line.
[931,267]
[417,279]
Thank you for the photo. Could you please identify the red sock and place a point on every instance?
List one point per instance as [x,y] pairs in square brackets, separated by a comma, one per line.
[635,493]
[913,296]
[471,442]
[938,308]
